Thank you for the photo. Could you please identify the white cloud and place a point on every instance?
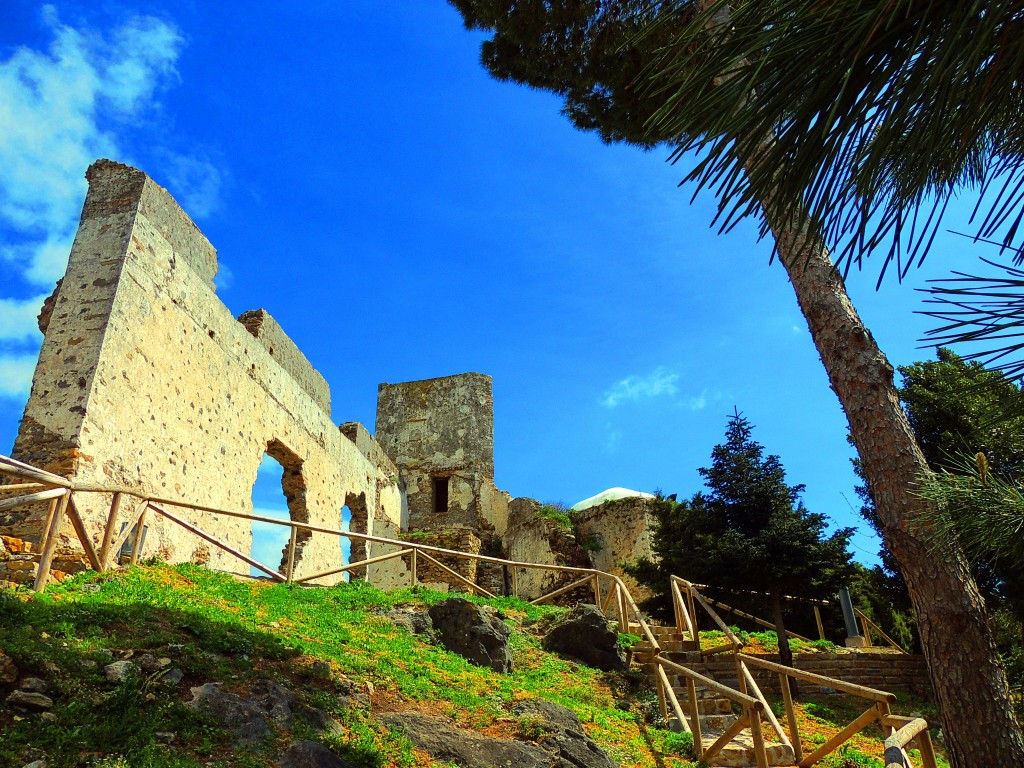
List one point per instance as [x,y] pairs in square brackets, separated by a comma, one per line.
[195,183]
[225,277]
[16,371]
[18,319]
[658,382]
[59,111]
[696,403]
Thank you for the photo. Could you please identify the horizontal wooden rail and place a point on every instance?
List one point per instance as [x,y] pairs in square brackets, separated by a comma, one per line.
[15,468]
[213,540]
[20,501]
[829,682]
[730,693]
[351,566]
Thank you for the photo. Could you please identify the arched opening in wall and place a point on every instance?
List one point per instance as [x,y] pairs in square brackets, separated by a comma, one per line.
[354,518]
[279,492]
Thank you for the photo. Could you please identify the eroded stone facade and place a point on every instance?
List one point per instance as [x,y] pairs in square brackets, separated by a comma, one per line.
[615,533]
[146,380]
[440,433]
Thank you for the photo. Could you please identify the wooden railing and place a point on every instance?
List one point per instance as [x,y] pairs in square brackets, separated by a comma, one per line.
[686,596]
[610,594]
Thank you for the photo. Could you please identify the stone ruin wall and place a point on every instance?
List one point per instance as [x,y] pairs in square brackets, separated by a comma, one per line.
[443,428]
[617,532]
[146,380]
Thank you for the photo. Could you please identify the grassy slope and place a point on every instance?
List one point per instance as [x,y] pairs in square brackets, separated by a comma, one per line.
[218,628]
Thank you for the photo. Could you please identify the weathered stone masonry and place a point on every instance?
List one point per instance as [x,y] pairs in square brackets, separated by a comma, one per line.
[146,380]
[440,433]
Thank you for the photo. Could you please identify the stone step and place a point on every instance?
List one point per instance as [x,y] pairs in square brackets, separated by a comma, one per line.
[668,644]
[740,752]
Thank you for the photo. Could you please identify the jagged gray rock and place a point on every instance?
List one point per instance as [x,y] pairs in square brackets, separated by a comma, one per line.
[252,718]
[563,744]
[565,734]
[586,635]
[443,741]
[309,754]
[120,671]
[33,684]
[472,631]
[29,700]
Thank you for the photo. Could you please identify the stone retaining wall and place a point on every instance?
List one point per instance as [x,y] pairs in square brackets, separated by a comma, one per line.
[19,562]
[884,670]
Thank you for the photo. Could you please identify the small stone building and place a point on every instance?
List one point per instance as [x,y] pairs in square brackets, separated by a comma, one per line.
[440,434]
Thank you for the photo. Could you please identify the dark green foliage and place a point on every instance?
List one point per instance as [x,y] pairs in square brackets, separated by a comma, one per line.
[957,409]
[590,52]
[853,114]
[748,531]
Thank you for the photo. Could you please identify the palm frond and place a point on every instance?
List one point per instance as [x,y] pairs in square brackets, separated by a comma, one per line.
[867,116]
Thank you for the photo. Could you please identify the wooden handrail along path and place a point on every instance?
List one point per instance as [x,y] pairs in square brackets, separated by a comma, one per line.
[610,594]
[686,596]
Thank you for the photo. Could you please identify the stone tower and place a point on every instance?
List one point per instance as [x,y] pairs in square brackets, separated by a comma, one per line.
[440,434]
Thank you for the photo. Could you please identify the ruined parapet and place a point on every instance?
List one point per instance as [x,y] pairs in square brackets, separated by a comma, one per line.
[440,434]
[458,538]
[617,532]
[146,380]
[268,333]
[534,538]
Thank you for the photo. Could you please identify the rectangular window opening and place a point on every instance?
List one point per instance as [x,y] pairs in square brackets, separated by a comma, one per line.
[440,495]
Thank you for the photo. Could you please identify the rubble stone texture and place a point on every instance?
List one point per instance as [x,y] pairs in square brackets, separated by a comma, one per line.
[440,434]
[616,532]
[146,381]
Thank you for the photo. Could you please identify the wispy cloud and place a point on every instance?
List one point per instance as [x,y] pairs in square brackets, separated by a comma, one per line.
[16,371]
[655,384]
[18,319]
[697,403]
[60,109]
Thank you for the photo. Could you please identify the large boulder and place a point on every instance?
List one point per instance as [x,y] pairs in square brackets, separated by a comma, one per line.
[472,631]
[586,635]
[467,749]
[563,734]
[309,754]
[253,718]
[561,742]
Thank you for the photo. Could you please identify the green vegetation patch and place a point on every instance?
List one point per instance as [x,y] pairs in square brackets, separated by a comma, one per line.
[332,647]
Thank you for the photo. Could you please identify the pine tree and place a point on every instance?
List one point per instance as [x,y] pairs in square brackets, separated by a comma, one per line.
[749,531]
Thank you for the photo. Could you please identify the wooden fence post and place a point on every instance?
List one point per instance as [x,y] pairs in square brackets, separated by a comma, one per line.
[51,532]
[108,530]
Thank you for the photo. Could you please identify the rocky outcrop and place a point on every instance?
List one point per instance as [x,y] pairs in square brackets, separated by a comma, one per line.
[563,734]
[253,718]
[561,742]
[586,635]
[309,754]
[474,632]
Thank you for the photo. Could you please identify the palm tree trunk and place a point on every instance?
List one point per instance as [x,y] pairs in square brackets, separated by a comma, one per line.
[969,684]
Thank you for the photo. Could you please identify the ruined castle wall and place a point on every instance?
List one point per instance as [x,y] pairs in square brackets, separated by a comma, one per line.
[146,380]
[442,430]
[614,533]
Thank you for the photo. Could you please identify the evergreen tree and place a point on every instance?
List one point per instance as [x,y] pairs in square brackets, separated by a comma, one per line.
[750,531]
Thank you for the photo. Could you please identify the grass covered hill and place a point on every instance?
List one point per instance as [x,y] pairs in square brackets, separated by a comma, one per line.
[337,651]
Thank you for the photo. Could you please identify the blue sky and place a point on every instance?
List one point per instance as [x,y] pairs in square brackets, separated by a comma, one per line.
[404,216]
